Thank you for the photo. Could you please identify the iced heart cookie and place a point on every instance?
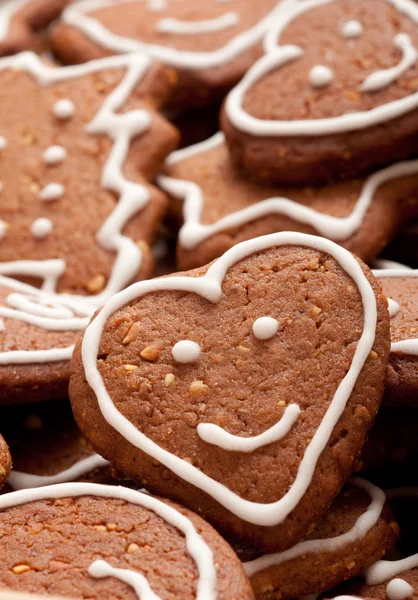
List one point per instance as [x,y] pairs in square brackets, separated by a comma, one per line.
[21,19]
[356,531]
[320,106]
[74,169]
[220,207]
[239,388]
[47,447]
[107,542]
[400,285]
[210,44]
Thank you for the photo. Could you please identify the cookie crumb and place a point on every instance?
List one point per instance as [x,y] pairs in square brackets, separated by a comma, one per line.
[18,569]
[132,548]
[197,387]
[111,526]
[143,245]
[150,353]
[96,283]
[131,368]
[169,379]
[350,565]
[2,470]
[100,527]
[133,333]
[281,403]
[373,355]
[315,311]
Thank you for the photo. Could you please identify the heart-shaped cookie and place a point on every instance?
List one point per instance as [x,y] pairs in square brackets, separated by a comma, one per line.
[245,388]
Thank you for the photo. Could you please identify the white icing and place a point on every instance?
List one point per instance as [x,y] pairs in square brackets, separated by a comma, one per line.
[364,523]
[174,26]
[383,263]
[216,436]
[383,570]
[54,155]
[393,307]
[277,56]
[381,79]
[3,142]
[209,287]
[197,548]
[398,589]
[265,328]
[7,12]
[352,29]
[338,229]
[47,270]
[41,228]
[77,15]
[403,346]
[320,76]
[52,191]
[20,481]
[2,325]
[64,109]
[101,568]
[157,5]
[186,351]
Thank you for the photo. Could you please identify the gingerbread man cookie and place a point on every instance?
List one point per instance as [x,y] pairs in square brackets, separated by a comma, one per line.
[239,388]
[335,95]
[210,44]
[220,207]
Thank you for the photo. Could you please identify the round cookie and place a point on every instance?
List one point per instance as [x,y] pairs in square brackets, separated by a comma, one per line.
[20,20]
[356,531]
[388,580]
[5,461]
[220,207]
[82,539]
[401,286]
[191,383]
[322,107]
[47,447]
[74,170]
[211,45]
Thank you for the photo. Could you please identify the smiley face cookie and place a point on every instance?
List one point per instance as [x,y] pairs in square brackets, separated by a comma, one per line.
[238,388]
[74,169]
[108,542]
[210,44]
[334,96]
[21,19]
[220,207]
[356,531]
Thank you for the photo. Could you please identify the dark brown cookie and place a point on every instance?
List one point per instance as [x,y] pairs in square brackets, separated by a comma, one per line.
[47,447]
[387,580]
[21,19]
[357,530]
[317,108]
[220,207]
[104,542]
[401,286]
[210,44]
[219,383]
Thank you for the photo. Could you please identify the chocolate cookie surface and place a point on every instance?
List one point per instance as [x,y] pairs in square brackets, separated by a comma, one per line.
[321,107]
[87,540]
[220,207]
[191,382]
[211,45]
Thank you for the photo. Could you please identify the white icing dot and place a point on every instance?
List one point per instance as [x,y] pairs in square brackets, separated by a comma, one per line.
[52,191]
[54,155]
[3,142]
[63,109]
[41,228]
[398,589]
[186,351]
[320,76]
[352,29]
[265,328]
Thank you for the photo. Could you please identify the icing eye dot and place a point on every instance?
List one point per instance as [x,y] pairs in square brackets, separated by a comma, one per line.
[186,351]
[320,76]
[41,228]
[63,109]
[3,142]
[52,191]
[54,155]
[265,328]
[399,589]
[352,29]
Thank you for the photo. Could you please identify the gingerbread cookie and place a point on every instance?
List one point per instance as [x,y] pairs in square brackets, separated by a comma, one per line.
[21,19]
[400,285]
[354,533]
[74,169]
[191,380]
[84,539]
[221,207]
[47,447]
[315,108]
[211,44]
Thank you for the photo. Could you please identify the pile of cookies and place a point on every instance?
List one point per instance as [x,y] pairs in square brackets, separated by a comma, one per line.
[208,299]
